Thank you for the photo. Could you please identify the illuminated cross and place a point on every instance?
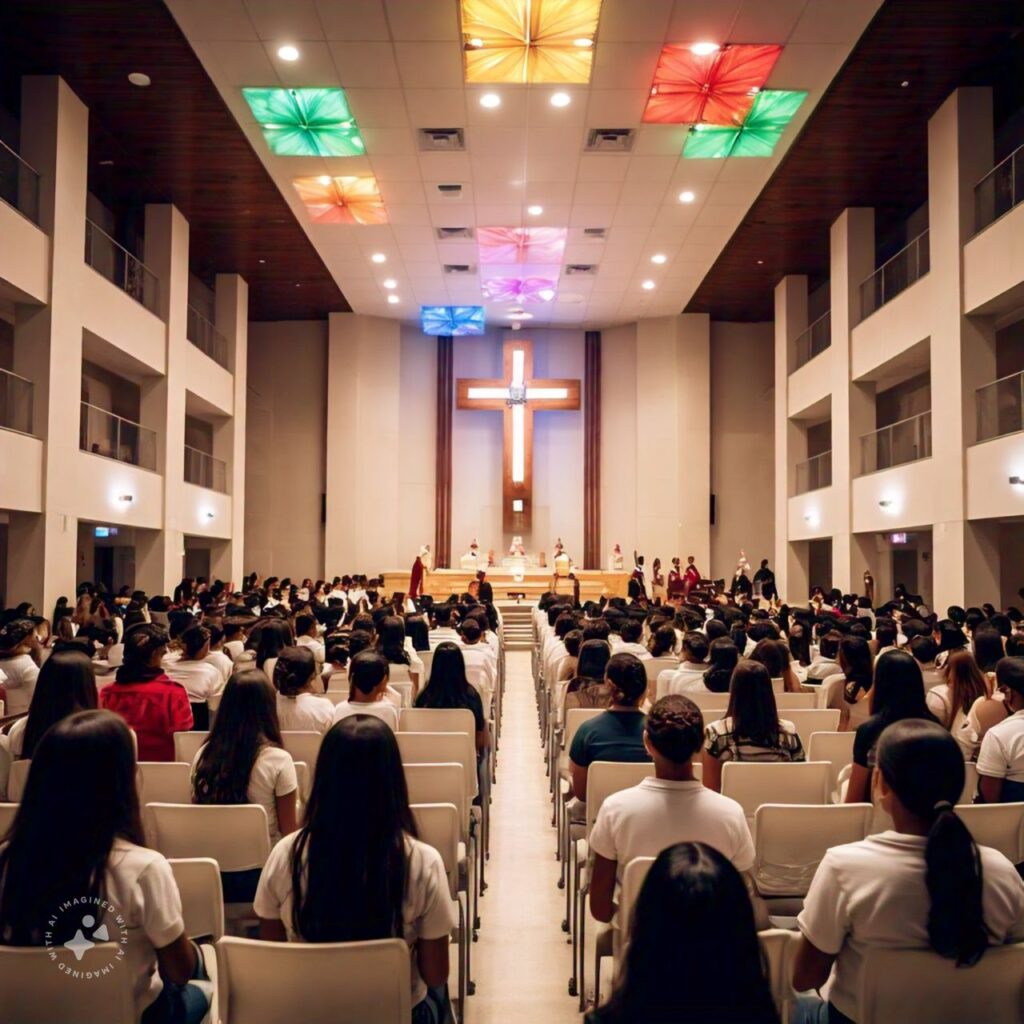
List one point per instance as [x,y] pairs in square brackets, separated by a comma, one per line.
[518,396]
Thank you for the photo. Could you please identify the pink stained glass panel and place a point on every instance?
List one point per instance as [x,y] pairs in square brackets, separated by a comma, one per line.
[520,289]
[520,245]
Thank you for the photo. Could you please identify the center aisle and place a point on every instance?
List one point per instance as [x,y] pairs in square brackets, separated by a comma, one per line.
[522,961]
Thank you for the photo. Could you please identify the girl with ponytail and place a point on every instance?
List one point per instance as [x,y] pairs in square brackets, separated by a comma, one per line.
[923,885]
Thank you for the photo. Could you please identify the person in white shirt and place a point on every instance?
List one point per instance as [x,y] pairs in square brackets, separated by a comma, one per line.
[19,651]
[368,681]
[671,807]
[218,657]
[301,705]
[630,633]
[689,677]
[200,679]
[77,843]
[235,633]
[306,635]
[1001,757]
[481,667]
[358,804]
[922,885]
[443,629]
[243,760]
[825,663]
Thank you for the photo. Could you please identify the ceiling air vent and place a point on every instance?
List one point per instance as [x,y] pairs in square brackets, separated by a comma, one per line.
[445,140]
[609,140]
[450,191]
[459,268]
[453,234]
[592,234]
[580,269]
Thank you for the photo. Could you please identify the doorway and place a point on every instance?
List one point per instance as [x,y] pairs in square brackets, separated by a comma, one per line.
[904,568]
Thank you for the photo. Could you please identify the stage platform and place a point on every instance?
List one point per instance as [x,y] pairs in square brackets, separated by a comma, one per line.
[440,584]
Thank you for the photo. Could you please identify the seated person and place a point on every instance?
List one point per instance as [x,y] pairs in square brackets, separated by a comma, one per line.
[850,690]
[449,688]
[1001,757]
[825,663]
[589,688]
[630,633]
[200,679]
[301,705]
[671,807]
[723,657]
[689,677]
[368,681]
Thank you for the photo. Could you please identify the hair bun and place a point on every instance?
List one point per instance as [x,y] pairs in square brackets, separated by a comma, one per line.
[942,805]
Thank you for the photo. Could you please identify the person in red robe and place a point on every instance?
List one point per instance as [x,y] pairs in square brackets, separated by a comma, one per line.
[675,580]
[691,576]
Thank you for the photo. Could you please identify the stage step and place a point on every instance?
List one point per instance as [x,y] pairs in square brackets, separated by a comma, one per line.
[517,624]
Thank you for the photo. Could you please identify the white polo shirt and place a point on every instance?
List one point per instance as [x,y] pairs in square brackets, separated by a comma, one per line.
[1002,750]
[305,712]
[873,893]
[645,819]
[21,672]
[688,678]
[382,709]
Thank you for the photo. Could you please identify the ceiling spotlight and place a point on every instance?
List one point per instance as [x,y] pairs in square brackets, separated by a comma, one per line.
[126,499]
[490,100]
[535,210]
[140,78]
[288,52]
[583,42]
[760,263]
[476,42]
[209,513]
[648,286]
[686,197]
[885,503]
[263,261]
[546,294]
[389,282]
[393,300]
[659,257]
[904,84]
[519,314]
[379,257]
[561,99]
[704,49]
[324,179]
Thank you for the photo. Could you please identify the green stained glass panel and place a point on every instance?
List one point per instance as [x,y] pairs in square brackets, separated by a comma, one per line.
[710,143]
[306,122]
[757,136]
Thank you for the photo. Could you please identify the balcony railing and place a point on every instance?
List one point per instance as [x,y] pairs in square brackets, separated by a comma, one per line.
[814,473]
[15,402]
[113,437]
[19,184]
[204,335]
[895,275]
[814,340]
[203,470]
[905,441]
[1000,190]
[117,264]
[1000,407]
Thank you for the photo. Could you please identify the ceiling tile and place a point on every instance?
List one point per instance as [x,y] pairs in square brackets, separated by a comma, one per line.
[201,20]
[448,214]
[446,167]
[591,216]
[603,167]
[429,65]
[404,167]
[625,65]
[807,66]
[236,63]
[834,21]
[387,141]
[415,20]
[548,193]
[627,21]
[457,252]
[418,234]
[635,216]
[498,215]
[498,192]
[495,143]
[660,139]
[596,193]
[511,113]
[408,213]
[437,108]
[418,253]
[584,252]
[725,193]
[365,64]
[316,67]
[650,170]
[552,217]
[758,22]
[353,19]
[695,21]
[543,115]
[378,108]
[543,165]
[712,215]
[284,23]
[616,108]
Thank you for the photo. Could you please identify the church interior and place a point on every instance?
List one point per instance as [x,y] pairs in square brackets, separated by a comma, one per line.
[596,425]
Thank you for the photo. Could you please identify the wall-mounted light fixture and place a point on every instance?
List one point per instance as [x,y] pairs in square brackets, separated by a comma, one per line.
[126,499]
[1017,481]
[209,513]
[885,503]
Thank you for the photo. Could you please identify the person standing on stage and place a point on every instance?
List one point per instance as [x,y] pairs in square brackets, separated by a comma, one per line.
[691,577]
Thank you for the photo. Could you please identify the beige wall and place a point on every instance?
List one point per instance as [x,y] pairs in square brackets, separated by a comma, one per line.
[742,444]
[284,480]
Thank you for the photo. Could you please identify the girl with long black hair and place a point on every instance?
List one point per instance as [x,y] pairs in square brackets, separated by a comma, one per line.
[924,884]
[355,870]
[449,688]
[77,836]
[849,690]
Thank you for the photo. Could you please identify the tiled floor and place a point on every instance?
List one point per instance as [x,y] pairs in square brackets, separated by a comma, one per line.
[522,961]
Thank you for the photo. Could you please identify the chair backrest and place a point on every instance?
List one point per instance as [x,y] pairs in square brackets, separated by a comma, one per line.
[303,746]
[917,984]
[574,718]
[778,947]
[1000,826]
[213,705]
[607,777]
[16,779]
[187,744]
[834,747]
[811,720]
[790,841]
[398,674]
[33,990]
[970,783]
[752,783]
[7,813]
[795,701]
[337,696]
[633,876]
[338,983]
[202,898]
[404,687]
[234,835]
[439,784]
[304,777]
[441,748]
[164,782]
[437,720]
[712,705]
[439,827]
[427,657]
[652,666]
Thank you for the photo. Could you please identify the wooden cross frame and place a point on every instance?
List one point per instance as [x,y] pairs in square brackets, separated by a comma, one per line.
[517,396]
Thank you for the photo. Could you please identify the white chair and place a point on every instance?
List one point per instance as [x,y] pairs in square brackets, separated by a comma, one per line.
[303,746]
[1000,826]
[202,901]
[187,744]
[305,780]
[795,701]
[164,782]
[914,984]
[437,720]
[807,721]
[633,876]
[234,835]
[16,780]
[562,784]
[834,747]
[970,783]
[335,983]
[33,991]
[786,782]
[337,696]
[427,657]
[404,687]
[441,748]
[778,946]
[213,705]
[439,784]
[712,705]
[654,667]
[7,813]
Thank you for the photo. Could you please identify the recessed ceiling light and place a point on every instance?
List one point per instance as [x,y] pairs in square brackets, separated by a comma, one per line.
[546,294]
[560,99]
[140,78]
[298,284]
[583,42]
[686,197]
[760,263]
[648,286]
[263,261]
[704,49]
[389,282]
[288,52]
[659,257]
[393,300]
[106,163]
[324,179]
[490,100]
[379,257]
[535,211]
[476,42]
[904,84]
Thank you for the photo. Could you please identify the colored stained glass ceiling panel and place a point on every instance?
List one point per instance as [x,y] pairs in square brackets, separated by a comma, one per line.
[306,122]
[342,200]
[521,245]
[529,41]
[454,320]
[519,289]
[717,88]
[773,109]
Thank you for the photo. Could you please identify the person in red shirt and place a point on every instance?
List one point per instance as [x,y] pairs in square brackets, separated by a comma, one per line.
[152,703]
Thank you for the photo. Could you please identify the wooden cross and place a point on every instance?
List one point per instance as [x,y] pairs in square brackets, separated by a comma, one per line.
[517,396]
